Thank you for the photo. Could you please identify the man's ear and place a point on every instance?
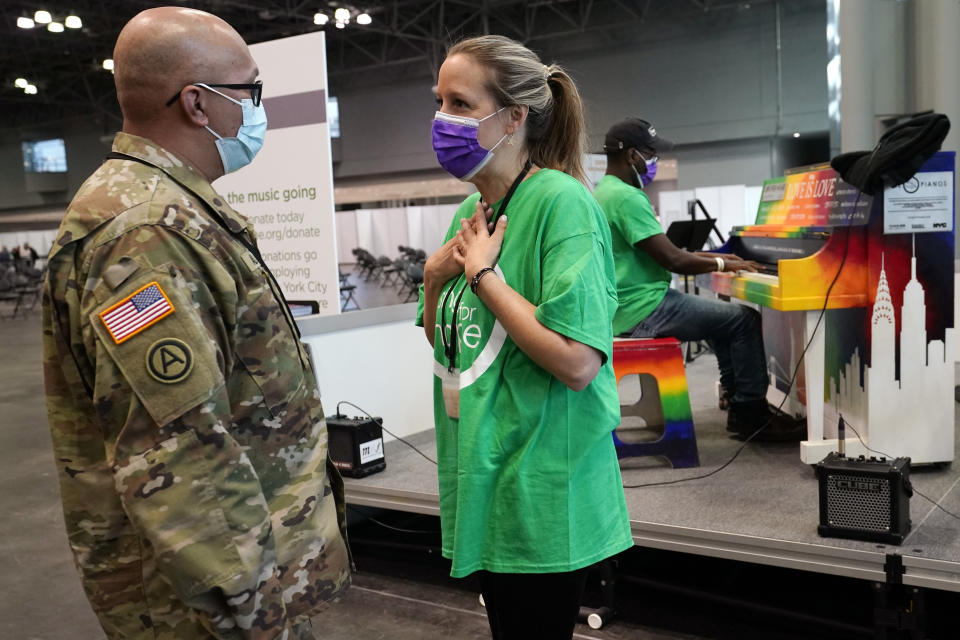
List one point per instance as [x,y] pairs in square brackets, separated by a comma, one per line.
[192,101]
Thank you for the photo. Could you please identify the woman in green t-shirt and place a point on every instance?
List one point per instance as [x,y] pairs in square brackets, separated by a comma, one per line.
[520,320]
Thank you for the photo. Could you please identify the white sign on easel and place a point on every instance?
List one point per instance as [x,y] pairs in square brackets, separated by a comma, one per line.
[287,191]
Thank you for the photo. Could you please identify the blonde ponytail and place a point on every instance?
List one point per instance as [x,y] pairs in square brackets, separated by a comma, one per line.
[555,130]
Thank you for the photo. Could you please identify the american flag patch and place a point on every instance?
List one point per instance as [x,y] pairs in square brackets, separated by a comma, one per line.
[142,308]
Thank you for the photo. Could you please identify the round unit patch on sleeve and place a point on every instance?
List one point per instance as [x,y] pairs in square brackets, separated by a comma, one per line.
[169,360]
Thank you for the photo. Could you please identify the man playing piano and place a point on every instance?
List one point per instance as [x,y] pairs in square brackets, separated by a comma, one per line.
[649,308]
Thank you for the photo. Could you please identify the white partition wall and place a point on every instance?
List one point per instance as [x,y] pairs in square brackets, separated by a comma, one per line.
[673,206]
[346,224]
[39,240]
[751,203]
[710,198]
[427,226]
[381,231]
[732,205]
[377,359]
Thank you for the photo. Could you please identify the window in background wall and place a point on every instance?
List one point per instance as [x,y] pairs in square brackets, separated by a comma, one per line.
[45,156]
[333,116]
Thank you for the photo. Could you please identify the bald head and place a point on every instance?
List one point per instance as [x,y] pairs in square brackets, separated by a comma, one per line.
[161,50]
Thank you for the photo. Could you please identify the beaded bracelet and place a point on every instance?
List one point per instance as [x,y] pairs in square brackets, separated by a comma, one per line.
[475,281]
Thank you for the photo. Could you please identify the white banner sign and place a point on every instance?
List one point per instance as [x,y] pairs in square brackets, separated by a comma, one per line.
[922,204]
[287,191]
[595,166]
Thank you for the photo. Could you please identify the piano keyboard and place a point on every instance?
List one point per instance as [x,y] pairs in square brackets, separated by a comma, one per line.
[766,278]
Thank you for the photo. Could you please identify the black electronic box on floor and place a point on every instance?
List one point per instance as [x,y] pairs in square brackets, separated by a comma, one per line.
[864,498]
[356,445]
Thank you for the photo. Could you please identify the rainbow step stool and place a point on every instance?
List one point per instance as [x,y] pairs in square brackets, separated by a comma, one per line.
[661,359]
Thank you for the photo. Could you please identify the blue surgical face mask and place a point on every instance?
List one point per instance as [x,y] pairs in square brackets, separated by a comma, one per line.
[237,152]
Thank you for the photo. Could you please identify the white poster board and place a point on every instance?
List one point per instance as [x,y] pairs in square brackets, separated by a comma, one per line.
[287,191]
[923,204]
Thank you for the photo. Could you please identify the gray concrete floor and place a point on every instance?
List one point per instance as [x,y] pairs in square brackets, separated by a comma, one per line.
[41,594]
[372,292]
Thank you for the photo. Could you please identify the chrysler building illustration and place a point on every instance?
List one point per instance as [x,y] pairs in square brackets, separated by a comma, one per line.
[887,407]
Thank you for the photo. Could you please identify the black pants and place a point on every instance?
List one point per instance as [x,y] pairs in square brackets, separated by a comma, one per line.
[532,605]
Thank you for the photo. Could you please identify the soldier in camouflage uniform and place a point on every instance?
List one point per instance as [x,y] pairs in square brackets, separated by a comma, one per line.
[187,427]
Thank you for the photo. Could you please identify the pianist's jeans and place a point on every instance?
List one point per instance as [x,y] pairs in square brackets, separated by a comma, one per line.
[732,330]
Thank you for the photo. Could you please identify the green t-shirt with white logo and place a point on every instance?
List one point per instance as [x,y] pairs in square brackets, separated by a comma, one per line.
[528,474]
[641,281]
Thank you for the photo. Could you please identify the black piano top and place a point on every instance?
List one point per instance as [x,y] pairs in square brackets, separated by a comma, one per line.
[751,243]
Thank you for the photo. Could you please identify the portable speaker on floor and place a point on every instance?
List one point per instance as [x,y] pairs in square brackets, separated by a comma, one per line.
[356,445]
[864,499]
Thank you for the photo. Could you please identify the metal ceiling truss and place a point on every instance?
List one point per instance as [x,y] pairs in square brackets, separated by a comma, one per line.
[406,38]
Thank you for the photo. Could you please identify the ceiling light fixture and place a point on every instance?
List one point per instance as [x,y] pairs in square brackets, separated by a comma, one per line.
[20,83]
[341,17]
[42,16]
[30,89]
[796,134]
[108,64]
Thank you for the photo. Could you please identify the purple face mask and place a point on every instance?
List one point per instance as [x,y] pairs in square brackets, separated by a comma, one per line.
[651,170]
[456,145]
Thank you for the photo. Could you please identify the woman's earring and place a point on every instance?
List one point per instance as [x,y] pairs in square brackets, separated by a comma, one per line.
[510,139]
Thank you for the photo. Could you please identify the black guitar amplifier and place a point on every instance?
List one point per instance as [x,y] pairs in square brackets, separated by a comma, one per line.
[864,499]
[356,445]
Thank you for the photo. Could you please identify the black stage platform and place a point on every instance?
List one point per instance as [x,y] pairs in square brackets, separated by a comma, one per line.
[763,508]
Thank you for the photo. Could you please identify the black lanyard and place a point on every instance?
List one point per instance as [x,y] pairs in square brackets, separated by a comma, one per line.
[238,235]
[450,345]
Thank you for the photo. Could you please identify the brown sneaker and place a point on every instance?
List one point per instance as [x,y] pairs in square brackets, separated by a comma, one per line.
[726,397]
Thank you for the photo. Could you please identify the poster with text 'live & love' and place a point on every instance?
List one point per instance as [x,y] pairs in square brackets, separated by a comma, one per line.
[287,191]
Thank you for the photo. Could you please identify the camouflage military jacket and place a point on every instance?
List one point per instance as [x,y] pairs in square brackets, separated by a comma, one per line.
[186,421]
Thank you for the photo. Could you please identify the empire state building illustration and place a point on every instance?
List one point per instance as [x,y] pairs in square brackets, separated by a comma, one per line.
[910,414]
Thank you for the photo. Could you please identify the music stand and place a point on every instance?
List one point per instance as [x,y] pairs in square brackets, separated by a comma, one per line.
[690,234]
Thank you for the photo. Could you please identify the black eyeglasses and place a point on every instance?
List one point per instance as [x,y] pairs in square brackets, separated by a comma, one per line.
[653,156]
[255,89]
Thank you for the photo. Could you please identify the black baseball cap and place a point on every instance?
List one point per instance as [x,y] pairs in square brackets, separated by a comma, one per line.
[634,133]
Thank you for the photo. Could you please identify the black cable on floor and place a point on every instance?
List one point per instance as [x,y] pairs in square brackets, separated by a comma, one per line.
[387,526]
[384,428]
[887,455]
